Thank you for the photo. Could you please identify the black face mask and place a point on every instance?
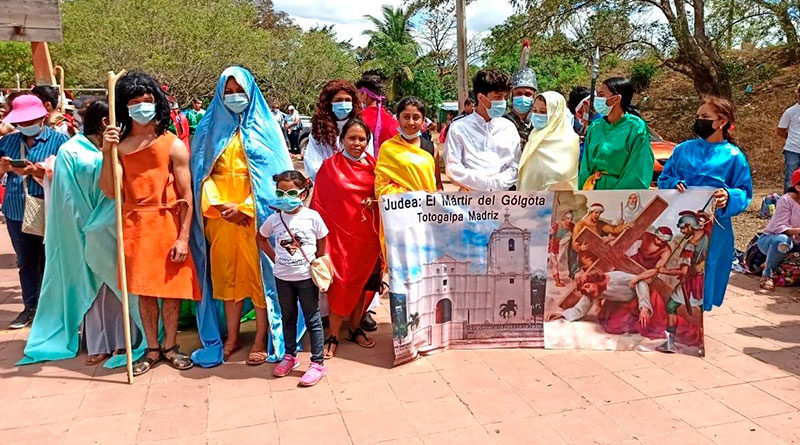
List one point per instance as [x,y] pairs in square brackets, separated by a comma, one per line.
[704,128]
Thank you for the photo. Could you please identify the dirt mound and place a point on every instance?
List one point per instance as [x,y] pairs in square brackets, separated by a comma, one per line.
[669,105]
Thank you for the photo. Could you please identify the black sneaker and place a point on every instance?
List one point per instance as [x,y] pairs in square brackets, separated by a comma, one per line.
[368,323]
[25,318]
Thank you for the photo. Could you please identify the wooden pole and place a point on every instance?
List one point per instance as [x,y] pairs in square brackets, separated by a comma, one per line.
[42,64]
[123,279]
[461,43]
[62,99]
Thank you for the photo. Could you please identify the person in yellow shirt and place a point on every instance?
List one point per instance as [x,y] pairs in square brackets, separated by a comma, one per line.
[403,165]
[237,148]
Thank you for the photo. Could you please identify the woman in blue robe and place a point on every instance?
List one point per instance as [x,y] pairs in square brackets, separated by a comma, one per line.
[713,160]
[266,155]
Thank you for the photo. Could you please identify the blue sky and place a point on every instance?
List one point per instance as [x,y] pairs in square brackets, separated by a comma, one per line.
[347,17]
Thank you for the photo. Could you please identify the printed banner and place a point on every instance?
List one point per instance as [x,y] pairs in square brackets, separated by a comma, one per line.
[622,266]
[582,270]
[466,270]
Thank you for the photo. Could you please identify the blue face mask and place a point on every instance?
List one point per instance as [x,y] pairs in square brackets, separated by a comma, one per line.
[236,102]
[143,112]
[342,109]
[30,130]
[600,106]
[353,158]
[539,121]
[522,104]
[287,203]
[409,137]
[498,109]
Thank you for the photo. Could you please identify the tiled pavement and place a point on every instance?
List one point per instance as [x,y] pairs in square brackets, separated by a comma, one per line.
[746,390]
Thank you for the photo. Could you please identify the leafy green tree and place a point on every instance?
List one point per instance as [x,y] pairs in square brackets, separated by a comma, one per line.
[303,64]
[15,58]
[681,42]
[186,47]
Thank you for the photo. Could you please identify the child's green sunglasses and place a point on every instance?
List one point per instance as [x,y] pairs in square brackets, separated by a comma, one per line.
[293,193]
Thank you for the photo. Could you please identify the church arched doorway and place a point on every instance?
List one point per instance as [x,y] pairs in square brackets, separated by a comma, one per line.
[444,311]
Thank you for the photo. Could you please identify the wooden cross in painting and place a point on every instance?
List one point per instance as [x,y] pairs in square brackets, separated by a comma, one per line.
[612,256]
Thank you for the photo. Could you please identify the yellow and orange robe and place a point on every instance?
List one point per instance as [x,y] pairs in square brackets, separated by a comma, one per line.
[401,168]
[233,253]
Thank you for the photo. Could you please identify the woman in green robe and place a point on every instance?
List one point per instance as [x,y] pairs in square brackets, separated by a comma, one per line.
[617,154]
[80,247]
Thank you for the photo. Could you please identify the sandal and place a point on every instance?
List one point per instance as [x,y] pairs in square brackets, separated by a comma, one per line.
[368,323]
[257,358]
[179,361]
[331,344]
[767,284]
[96,359]
[227,353]
[368,342]
[146,363]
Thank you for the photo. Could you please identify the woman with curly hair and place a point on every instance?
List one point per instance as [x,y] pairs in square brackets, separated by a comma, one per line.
[337,103]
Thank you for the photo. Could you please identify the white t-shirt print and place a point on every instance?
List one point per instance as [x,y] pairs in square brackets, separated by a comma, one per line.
[307,227]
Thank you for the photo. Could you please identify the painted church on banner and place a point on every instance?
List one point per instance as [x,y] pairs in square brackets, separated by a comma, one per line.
[502,305]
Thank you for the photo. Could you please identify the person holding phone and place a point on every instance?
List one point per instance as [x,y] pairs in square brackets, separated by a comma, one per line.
[33,142]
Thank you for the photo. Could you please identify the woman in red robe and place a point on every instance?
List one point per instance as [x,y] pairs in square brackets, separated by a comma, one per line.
[345,198]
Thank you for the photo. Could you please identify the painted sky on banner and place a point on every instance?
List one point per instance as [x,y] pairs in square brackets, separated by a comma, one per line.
[464,241]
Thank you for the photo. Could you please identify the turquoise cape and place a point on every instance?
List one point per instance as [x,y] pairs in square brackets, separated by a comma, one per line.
[266,156]
[698,163]
[81,251]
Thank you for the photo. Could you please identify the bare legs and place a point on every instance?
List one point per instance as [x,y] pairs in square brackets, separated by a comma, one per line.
[148,307]
[170,309]
[336,322]
[233,316]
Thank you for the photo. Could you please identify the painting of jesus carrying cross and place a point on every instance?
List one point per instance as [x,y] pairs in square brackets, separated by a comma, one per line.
[626,270]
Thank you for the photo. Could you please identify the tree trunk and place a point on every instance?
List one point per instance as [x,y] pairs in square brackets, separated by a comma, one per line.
[789,30]
[729,25]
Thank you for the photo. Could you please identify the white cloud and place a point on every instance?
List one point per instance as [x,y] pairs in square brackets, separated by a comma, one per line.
[348,19]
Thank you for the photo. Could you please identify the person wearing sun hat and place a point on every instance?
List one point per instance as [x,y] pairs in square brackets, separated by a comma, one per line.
[782,233]
[33,142]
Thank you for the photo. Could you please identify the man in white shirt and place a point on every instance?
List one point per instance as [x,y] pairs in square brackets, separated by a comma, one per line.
[482,149]
[789,130]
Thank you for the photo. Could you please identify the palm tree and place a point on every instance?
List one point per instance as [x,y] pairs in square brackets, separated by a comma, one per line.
[414,322]
[391,48]
[394,26]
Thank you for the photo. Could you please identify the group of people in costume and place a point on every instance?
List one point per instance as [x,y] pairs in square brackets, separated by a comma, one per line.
[224,223]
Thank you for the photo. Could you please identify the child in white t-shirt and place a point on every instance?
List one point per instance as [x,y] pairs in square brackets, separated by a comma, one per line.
[299,235]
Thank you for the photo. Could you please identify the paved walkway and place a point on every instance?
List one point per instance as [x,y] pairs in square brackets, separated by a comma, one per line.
[745,391]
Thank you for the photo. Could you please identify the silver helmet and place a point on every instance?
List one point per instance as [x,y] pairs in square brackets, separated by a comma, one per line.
[525,77]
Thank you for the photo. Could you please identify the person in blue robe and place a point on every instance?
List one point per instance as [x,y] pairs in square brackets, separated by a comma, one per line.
[713,160]
[249,116]
[81,251]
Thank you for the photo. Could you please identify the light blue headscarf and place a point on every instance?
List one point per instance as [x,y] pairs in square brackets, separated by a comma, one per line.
[267,156]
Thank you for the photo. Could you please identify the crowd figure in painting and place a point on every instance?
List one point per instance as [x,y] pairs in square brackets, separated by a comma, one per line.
[215,213]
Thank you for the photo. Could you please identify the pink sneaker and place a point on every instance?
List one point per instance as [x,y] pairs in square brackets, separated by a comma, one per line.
[286,366]
[314,374]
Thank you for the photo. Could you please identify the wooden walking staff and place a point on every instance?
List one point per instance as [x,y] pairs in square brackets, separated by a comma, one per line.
[62,96]
[123,278]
